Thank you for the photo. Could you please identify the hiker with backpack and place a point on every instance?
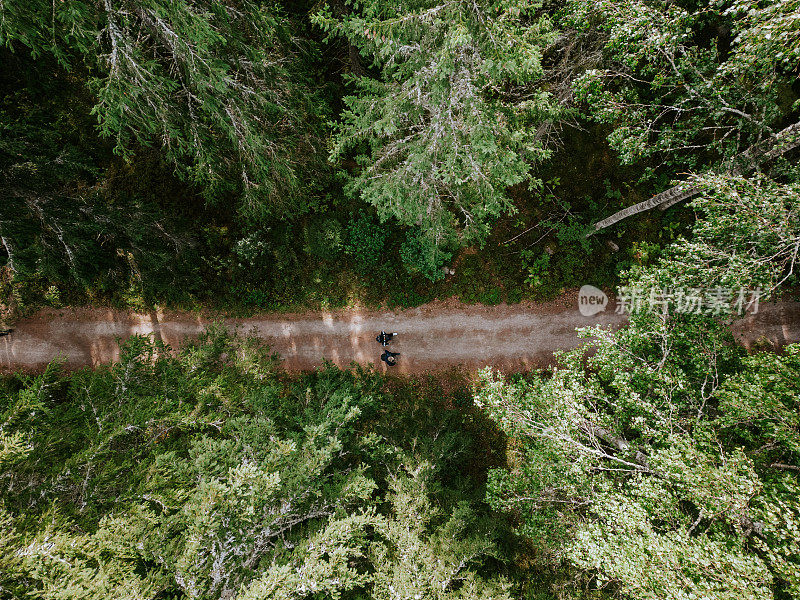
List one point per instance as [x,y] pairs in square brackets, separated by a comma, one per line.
[389,357]
[384,338]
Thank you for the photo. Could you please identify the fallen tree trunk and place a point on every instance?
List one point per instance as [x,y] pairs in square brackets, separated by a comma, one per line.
[785,140]
[673,195]
[694,190]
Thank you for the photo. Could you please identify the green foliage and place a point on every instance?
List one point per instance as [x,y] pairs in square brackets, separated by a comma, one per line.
[219,89]
[492,297]
[60,227]
[660,460]
[689,85]
[444,124]
[324,238]
[561,262]
[421,256]
[366,241]
[211,474]
[767,36]
[474,281]
[760,403]
[748,235]
[438,110]
[622,467]
[535,268]
[417,559]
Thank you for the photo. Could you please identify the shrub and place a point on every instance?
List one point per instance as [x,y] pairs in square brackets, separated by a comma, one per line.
[421,255]
[536,266]
[365,242]
[323,237]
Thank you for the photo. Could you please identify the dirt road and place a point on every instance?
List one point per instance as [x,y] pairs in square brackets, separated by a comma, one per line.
[431,337]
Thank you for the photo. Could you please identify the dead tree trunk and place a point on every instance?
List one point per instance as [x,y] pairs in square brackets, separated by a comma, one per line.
[10,253]
[672,195]
[785,140]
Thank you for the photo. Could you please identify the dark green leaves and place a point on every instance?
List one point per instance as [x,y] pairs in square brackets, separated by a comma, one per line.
[442,129]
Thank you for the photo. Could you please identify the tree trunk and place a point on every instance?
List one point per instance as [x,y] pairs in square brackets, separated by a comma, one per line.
[672,195]
[785,140]
[353,56]
[618,443]
[7,246]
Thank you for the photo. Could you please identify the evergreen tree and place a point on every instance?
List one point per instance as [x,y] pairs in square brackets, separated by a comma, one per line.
[220,88]
[211,474]
[441,122]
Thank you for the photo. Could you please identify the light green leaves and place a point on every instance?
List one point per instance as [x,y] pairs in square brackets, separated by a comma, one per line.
[748,235]
[446,124]
[662,463]
[685,86]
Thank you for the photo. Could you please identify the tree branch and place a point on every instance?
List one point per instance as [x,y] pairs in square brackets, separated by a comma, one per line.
[784,141]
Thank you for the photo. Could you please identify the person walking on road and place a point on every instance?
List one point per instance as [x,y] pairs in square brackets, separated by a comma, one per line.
[384,338]
[389,357]
[5,332]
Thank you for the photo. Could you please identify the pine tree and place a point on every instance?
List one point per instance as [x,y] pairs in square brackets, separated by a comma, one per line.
[441,124]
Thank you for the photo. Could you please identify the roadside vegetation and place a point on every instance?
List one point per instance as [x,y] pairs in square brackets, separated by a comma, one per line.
[275,156]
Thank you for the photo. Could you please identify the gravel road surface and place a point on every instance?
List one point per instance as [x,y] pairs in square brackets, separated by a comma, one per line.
[431,337]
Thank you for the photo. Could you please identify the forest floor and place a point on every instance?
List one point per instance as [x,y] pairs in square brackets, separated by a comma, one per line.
[434,337]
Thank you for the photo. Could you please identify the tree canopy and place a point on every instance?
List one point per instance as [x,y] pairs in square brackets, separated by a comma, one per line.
[220,88]
[633,463]
[212,475]
[442,120]
[266,155]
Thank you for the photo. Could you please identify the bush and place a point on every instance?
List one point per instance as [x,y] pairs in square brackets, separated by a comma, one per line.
[267,250]
[251,251]
[53,296]
[365,242]
[492,296]
[323,238]
[536,266]
[421,255]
